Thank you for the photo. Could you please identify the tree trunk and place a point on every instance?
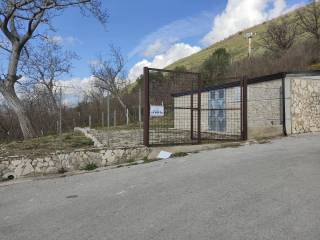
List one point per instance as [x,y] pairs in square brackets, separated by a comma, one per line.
[122,104]
[14,102]
[54,106]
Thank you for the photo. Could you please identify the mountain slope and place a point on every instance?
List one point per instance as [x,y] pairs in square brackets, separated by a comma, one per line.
[236,45]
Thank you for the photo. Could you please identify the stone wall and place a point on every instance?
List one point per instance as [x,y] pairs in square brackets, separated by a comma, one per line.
[19,166]
[305,105]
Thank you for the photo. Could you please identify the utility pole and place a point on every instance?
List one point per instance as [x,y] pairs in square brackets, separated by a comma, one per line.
[249,36]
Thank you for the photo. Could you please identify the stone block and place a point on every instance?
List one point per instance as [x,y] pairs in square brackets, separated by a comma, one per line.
[28,169]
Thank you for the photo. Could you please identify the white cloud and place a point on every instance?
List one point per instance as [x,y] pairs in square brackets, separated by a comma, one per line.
[174,53]
[77,87]
[69,40]
[239,15]
[153,48]
[163,38]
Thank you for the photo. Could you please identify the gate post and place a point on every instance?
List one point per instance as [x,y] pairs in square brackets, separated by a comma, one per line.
[244,109]
[146,108]
[199,107]
[283,93]
[191,107]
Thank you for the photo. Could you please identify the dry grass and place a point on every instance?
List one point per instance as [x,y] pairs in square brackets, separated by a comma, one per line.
[42,146]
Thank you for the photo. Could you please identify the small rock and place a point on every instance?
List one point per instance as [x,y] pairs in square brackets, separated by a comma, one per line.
[28,169]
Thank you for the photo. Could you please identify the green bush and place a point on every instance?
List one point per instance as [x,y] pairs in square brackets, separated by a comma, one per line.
[90,167]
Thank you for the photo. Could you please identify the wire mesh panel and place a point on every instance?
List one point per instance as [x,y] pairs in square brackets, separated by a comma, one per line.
[182,111]
[221,113]
[172,99]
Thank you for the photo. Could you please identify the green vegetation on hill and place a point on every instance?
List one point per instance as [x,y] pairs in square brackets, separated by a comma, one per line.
[236,45]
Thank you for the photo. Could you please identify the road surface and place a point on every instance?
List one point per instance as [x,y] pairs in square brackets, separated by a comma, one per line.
[266,191]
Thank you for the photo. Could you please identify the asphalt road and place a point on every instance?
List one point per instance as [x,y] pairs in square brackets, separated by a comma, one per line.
[267,191]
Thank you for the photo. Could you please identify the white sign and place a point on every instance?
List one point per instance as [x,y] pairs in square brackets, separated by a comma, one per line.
[156,111]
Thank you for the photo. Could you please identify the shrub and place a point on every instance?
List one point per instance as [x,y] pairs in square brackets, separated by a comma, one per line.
[90,167]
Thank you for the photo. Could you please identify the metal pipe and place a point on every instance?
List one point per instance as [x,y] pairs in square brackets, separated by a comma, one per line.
[284,122]
[199,106]
[146,108]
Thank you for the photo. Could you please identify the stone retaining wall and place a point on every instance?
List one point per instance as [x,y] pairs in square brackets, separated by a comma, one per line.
[305,111]
[19,166]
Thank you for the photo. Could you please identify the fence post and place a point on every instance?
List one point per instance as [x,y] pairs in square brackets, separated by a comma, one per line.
[140,120]
[191,120]
[90,123]
[127,116]
[244,108]
[102,119]
[146,108]
[284,122]
[199,107]
[108,109]
[115,118]
[60,114]
[79,114]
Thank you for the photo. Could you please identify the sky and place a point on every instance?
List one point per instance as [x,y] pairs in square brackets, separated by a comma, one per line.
[157,33]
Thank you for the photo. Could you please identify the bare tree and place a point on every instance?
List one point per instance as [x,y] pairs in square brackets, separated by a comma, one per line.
[45,65]
[280,36]
[19,21]
[309,20]
[109,74]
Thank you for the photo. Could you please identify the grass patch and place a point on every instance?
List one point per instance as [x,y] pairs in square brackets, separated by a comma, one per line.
[90,167]
[41,146]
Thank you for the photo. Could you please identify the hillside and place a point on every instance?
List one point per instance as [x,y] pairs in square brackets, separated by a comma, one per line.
[236,45]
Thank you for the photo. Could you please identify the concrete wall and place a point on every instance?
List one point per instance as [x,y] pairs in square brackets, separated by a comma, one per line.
[265,116]
[265,109]
[305,104]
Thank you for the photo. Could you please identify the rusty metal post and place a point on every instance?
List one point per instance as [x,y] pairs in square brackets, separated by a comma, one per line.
[191,107]
[146,116]
[244,108]
[284,123]
[199,107]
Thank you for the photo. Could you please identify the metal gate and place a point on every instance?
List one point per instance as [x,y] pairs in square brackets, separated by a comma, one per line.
[180,109]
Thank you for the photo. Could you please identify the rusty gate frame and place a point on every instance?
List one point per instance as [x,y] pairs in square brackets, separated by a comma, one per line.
[243,83]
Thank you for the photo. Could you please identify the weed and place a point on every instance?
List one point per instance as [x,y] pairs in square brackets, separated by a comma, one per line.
[90,167]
